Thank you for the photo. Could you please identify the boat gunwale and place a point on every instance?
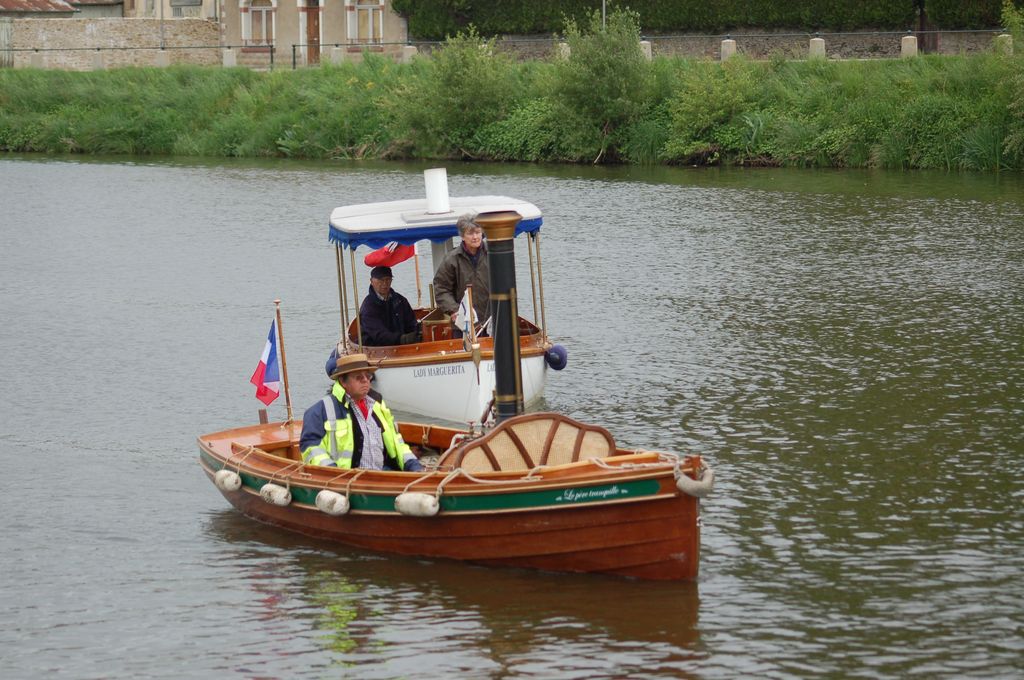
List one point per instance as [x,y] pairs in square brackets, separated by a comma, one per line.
[415,357]
[446,512]
[531,344]
[495,482]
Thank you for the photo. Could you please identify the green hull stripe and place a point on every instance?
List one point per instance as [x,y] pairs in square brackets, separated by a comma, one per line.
[502,501]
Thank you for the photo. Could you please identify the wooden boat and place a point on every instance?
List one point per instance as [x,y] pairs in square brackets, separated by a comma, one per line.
[538,490]
[441,377]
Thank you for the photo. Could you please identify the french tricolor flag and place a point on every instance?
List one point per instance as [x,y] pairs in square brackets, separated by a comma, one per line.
[267,377]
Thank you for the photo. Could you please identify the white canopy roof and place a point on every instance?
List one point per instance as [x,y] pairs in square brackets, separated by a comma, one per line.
[377,224]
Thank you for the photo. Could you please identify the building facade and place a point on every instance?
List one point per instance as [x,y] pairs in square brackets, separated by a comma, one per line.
[313,30]
[172,9]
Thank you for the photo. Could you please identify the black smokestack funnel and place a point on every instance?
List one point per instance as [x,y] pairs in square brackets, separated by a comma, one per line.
[500,228]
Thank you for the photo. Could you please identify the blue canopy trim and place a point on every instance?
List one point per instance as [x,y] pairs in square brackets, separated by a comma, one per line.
[409,236]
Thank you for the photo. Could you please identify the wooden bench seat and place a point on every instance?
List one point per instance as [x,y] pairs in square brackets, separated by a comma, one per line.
[527,441]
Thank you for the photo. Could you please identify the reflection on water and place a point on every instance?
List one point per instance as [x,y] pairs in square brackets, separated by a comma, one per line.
[363,603]
[843,347]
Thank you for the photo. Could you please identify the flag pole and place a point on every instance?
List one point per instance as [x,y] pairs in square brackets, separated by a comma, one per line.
[284,362]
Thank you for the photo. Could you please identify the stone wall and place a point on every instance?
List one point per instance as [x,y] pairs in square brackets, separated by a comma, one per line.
[86,44]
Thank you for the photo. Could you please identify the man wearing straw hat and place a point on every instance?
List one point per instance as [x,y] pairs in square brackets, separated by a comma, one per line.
[349,428]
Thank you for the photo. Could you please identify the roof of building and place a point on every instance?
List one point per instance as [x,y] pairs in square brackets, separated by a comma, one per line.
[36,6]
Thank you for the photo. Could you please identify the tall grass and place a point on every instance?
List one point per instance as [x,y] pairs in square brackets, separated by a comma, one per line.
[603,104]
[928,112]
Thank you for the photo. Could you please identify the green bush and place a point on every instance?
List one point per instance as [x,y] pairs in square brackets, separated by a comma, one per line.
[709,95]
[467,85]
[534,131]
[604,82]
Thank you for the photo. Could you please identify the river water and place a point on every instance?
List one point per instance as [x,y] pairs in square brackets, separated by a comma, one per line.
[845,348]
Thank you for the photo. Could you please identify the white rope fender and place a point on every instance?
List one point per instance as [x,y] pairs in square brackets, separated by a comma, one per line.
[332,503]
[698,488]
[275,494]
[231,480]
[227,480]
[419,504]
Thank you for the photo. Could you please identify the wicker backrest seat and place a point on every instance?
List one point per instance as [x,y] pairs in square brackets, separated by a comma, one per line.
[524,442]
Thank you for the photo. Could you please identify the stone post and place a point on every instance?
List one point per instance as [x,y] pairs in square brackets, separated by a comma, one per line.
[908,46]
[408,52]
[38,60]
[338,54]
[98,61]
[1004,44]
[6,37]
[728,48]
[645,47]
[228,58]
[817,48]
[563,50]
[163,59]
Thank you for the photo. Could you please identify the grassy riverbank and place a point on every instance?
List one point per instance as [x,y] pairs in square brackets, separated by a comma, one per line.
[604,104]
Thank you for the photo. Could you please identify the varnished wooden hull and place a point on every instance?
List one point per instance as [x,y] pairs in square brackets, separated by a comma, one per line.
[629,520]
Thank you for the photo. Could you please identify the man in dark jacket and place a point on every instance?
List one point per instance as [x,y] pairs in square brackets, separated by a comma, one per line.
[385,316]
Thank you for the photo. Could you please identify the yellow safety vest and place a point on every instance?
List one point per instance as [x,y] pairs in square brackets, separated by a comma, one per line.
[338,448]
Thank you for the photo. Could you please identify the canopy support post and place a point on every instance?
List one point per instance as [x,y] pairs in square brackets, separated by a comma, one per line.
[533,283]
[342,294]
[416,259]
[355,296]
[540,282]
